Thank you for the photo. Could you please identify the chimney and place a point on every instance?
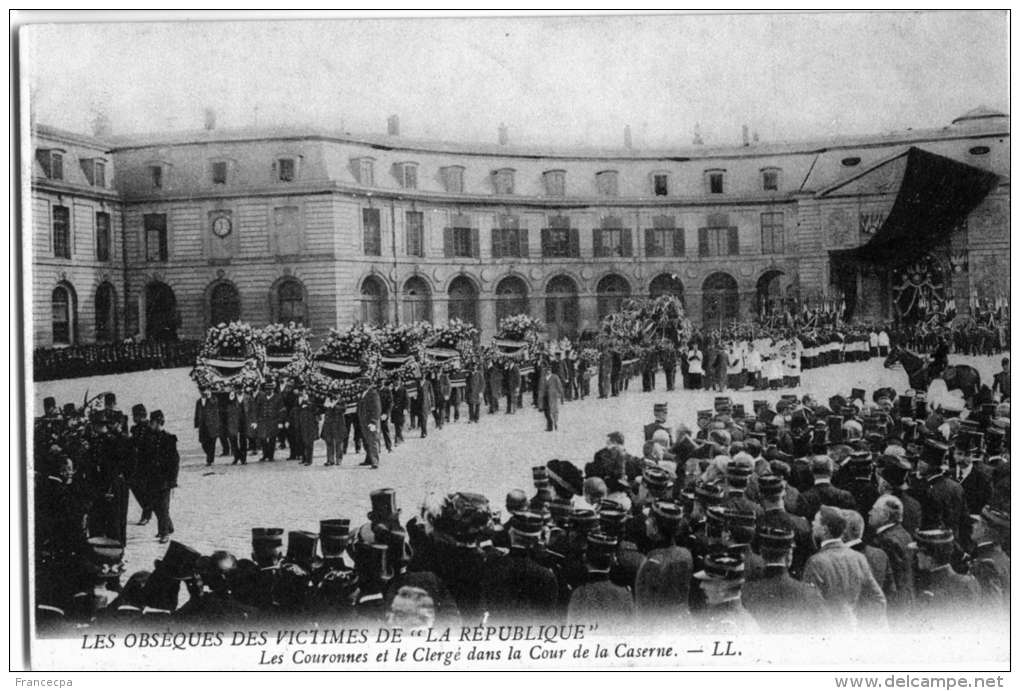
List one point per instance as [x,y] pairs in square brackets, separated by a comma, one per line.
[504,134]
[627,143]
[393,126]
[697,135]
[210,119]
[744,136]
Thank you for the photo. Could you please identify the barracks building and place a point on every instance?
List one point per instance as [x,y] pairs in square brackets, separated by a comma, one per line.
[160,236]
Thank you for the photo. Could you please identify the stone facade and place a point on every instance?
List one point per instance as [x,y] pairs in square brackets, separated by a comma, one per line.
[332,229]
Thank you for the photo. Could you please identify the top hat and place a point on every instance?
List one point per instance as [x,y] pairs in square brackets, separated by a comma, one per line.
[722,567]
[138,410]
[660,408]
[995,517]
[384,505]
[49,402]
[774,538]
[179,560]
[611,521]
[334,534]
[934,452]
[857,394]
[266,542]
[106,550]
[723,403]
[527,523]
[157,416]
[994,440]
[371,562]
[302,546]
[739,412]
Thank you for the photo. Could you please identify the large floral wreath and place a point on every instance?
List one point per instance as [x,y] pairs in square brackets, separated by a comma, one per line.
[231,359]
[288,354]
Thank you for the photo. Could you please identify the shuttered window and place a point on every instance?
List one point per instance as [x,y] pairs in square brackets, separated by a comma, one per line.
[773,240]
[509,239]
[61,232]
[414,228]
[155,237]
[371,230]
[664,239]
[613,240]
[559,239]
[102,236]
[460,240]
[718,242]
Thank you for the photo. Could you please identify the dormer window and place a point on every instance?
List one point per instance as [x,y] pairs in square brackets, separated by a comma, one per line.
[364,170]
[286,169]
[555,183]
[453,179]
[607,183]
[52,162]
[715,181]
[219,172]
[158,173]
[95,171]
[407,175]
[660,184]
[770,179]
[503,181]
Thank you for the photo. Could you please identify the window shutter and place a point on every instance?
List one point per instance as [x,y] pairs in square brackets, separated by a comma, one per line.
[522,241]
[650,250]
[575,242]
[734,241]
[702,242]
[497,251]
[628,242]
[447,242]
[475,245]
[597,242]
[678,242]
[164,252]
[88,167]
[545,242]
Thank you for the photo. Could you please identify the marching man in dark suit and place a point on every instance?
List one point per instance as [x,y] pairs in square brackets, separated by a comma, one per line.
[473,390]
[398,410]
[207,422]
[268,418]
[494,377]
[237,423]
[424,404]
[512,384]
[161,447]
[334,430]
[369,411]
[305,423]
[550,397]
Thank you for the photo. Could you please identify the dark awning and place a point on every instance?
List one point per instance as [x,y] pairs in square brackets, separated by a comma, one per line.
[935,195]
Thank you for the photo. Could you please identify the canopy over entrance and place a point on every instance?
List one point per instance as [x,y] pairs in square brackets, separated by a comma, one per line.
[935,195]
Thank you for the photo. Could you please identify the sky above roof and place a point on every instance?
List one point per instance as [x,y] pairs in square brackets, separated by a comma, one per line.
[561,81]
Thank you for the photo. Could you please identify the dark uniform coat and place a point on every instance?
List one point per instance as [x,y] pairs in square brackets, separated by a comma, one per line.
[781,604]
[899,590]
[824,494]
[207,419]
[269,414]
[517,589]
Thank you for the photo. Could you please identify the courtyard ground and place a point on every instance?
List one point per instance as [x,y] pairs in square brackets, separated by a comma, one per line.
[216,507]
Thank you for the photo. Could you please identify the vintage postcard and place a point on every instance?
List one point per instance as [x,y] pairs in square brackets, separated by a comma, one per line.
[666,341]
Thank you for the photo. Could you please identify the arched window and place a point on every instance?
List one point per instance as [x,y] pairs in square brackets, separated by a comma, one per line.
[612,291]
[720,301]
[290,302]
[769,293]
[463,300]
[417,300]
[561,307]
[65,314]
[106,313]
[511,297]
[666,284]
[160,312]
[373,301]
[224,304]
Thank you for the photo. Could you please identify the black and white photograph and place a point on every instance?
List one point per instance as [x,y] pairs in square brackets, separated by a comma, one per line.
[561,341]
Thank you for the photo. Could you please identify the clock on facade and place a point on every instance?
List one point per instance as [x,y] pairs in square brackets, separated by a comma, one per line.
[221,227]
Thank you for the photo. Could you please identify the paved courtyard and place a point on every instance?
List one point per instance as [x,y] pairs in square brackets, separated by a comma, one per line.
[215,507]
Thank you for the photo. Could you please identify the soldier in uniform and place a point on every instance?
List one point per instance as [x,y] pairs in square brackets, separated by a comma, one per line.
[137,481]
[945,505]
[721,579]
[772,489]
[989,563]
[667,358]
[778,602]
[947,595]
[861,483]
[598,600]
[517,588]
[893,482]
[660,411]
